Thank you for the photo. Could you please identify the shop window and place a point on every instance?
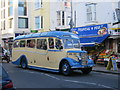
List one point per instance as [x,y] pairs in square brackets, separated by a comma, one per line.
[31,43]
[42,44]
[16,44]
[22,43]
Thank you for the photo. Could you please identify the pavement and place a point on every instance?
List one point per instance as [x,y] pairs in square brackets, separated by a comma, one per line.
[102,68]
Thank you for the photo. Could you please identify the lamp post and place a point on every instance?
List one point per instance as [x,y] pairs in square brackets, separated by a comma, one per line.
[71,20]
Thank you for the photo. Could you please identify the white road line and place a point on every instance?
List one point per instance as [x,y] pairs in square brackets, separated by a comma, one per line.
[90,83]
[80,82]
[52,76]
[107,74]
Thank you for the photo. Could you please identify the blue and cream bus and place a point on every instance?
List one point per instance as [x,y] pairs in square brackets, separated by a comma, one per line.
[54,51]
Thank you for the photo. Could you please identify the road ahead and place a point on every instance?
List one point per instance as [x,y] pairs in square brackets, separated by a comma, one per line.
[40,79]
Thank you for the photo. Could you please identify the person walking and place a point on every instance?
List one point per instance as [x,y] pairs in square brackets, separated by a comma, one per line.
[112,63]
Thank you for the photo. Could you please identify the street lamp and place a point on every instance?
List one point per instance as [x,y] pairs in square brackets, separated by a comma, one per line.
[71,20]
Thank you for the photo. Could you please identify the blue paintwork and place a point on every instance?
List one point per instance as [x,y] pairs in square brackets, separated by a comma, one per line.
[73,63]
[54,50]
[58,34]
[77,64]
[17,62]
[76,51]
[45,69]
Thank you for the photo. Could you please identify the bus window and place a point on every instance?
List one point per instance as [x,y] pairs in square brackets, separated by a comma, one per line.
[51,43]
[31,43]
[58,44]
[22,43]
[16,44]
[41,44]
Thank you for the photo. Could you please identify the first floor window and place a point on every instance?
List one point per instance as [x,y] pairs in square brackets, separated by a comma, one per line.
[22,22]
[91,12]
[61,18]
[38,22]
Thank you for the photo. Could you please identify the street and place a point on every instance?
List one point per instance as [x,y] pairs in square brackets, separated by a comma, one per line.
[40,79]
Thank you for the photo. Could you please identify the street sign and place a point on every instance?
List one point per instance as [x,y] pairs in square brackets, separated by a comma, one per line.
[118,13]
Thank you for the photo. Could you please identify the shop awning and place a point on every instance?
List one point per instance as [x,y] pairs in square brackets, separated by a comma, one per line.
[91,41]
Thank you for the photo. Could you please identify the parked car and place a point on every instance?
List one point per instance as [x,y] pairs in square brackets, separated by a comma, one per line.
[5,55]
[5,81]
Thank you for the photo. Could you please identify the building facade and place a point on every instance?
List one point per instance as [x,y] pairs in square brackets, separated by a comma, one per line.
[14,20]
[87,14]
[40,15]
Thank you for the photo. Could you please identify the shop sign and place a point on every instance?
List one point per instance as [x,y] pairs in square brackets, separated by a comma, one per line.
[92,31]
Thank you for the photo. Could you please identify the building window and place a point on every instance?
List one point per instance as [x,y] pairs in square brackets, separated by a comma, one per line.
[2,3]
[38,4]
[91,12]
[22,22]
[10,11]
[22,8]
[38,22]
[10,22]
[10,2]
[4,25]
[60,18]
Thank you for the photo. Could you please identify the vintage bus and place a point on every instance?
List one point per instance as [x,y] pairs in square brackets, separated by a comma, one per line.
[54,51]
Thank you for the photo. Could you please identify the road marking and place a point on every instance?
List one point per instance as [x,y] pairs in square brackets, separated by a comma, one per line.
[106,74]
[52,76]
[90,83]
[71,80]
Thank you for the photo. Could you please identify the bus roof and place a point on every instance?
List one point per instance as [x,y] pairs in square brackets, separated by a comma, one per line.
[58,34]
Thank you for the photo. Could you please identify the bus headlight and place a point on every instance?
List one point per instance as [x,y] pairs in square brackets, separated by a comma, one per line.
[79,58]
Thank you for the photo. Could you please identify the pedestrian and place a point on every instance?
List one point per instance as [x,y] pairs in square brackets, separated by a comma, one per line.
[112,63]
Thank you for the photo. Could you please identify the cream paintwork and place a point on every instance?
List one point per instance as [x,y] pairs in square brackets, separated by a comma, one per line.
[42,58]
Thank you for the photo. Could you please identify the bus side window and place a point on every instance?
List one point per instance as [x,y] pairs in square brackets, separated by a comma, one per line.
[51,43]
[31,43]
[58,44]
[16,44]
[22,43]
[41,44]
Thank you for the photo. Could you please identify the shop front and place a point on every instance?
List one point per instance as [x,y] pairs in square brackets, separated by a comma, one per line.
[93,39]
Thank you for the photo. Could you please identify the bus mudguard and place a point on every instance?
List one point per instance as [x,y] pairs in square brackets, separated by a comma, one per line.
[71,61]
[18,61]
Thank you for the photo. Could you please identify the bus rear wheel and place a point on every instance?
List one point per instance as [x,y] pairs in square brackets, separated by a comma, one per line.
[23,63]
[65,68]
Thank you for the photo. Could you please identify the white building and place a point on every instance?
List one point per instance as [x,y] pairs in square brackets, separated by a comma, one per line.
[14,19]
[86,13]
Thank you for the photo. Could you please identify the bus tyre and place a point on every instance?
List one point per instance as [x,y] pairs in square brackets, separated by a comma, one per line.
[65,68]
[86,70]
[23,64]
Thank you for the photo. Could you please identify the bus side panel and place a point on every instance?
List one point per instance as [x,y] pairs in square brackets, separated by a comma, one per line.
[55,56]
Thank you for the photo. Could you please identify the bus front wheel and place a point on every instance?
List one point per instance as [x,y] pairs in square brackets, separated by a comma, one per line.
[65,68]
[86,70]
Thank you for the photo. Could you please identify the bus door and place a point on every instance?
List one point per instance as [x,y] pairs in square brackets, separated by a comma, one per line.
[54,52]
[41,52]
